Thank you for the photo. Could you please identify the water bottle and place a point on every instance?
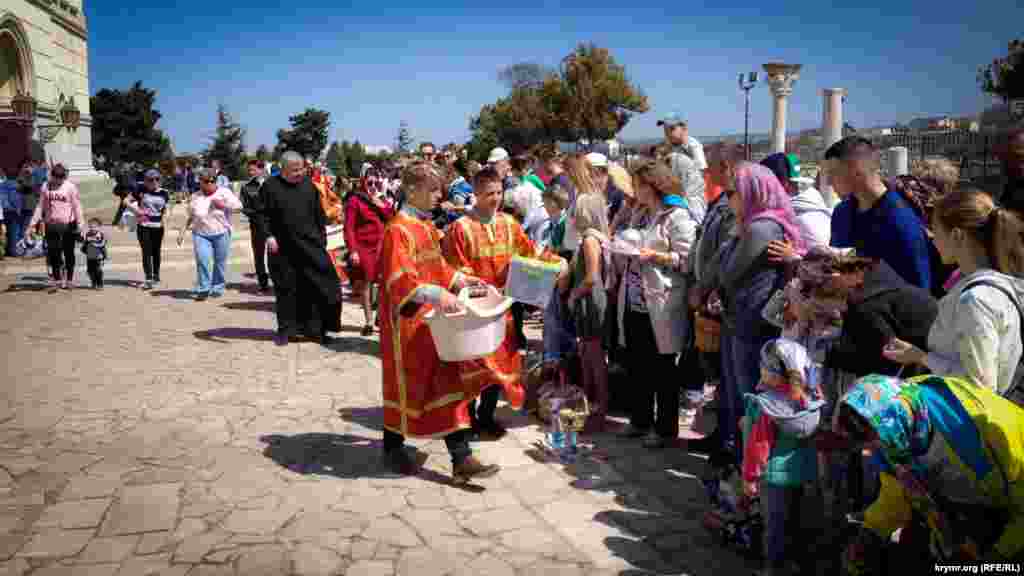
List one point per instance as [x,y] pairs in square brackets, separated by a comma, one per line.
[556,440]
[569,449]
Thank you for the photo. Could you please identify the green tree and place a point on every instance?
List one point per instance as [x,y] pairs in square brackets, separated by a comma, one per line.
[124,125]
[336,160]
[356,155]
[404,141]
[307,135]
[228,144]
[593,98]
[589,97]
[1004,77]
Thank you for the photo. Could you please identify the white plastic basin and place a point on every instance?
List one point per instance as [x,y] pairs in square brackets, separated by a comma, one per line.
[475,332]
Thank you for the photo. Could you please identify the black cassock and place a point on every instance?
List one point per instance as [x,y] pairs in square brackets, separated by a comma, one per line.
[307,289]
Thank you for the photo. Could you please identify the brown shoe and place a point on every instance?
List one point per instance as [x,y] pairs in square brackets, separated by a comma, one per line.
[402,463]
[472,468]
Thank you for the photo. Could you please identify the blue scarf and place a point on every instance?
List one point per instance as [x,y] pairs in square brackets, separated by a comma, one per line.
[674,200]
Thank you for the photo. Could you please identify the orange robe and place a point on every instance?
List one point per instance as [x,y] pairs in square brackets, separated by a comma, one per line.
[423,396]
[485,251]
[332,207]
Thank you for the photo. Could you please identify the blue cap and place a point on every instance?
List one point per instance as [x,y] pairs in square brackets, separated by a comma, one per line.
[151,173]
[673,119]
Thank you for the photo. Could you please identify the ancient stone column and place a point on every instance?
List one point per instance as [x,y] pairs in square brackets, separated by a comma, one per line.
[832,122]
[780,81]
[832,132]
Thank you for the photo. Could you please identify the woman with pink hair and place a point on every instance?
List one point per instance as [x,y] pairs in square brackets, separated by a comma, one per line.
[748,279]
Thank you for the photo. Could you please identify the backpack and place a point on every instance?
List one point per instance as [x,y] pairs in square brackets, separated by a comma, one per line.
[1015,393]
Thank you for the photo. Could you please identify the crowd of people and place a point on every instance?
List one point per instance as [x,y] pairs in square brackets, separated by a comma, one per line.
[868,350]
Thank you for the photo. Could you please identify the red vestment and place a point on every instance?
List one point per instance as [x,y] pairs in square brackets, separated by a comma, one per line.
[423,396]
[485,251]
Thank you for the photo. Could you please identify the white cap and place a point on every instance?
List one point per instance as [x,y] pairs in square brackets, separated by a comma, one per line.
[497,155]
[597,160]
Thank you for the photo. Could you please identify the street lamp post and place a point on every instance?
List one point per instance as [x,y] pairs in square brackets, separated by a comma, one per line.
[747,82]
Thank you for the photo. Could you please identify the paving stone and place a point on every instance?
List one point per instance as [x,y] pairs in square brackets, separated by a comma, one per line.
[192,550]
[94,570]
[108,550]
[426,562]
[371,568]
[394,532]
[141,509]
[496,521]
[56,543]
[309,560]
[486,565]
[15,567]
[268,561]
[74,514]
[154,543]
[309,525]
[83,487]
[363,549]
[259,521]
[157,565]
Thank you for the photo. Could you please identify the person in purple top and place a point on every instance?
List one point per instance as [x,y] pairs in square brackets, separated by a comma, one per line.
[874,220]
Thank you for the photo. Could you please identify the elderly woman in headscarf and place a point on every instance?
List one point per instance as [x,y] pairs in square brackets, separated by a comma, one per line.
[748,279]
[952,483]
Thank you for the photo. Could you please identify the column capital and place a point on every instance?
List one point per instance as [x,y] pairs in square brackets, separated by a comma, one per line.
[833,91]
[781,78]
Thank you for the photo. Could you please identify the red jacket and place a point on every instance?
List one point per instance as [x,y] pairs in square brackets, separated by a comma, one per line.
[364,226]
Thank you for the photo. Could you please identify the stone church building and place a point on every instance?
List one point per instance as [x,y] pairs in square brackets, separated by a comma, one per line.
[44,56]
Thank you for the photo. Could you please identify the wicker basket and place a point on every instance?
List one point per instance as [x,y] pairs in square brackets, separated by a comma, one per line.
[573,419]
[708,333]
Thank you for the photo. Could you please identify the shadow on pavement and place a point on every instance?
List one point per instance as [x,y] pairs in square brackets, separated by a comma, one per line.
[363,346]
[176,294]
[227,334]
[248,288]
[340,456]
[371,418]
[659,505]
[251,306]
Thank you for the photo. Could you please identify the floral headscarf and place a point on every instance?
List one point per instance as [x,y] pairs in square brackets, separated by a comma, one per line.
[899,417]
[764,198]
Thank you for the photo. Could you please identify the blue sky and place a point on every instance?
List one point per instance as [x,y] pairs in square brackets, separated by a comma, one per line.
[372,64]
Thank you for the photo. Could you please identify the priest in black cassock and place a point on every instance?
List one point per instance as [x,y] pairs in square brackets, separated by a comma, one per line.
[306,287]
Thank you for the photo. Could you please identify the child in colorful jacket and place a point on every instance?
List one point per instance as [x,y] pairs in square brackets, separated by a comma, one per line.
[779,457]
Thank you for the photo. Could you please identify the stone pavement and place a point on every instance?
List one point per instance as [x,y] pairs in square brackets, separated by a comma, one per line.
[143,434]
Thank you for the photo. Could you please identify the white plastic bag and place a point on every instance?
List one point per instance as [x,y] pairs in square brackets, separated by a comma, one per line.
[531,281]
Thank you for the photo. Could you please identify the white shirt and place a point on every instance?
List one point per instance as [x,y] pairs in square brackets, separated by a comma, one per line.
[208,220]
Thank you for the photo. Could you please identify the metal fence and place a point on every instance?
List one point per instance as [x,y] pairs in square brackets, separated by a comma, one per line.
[974,152]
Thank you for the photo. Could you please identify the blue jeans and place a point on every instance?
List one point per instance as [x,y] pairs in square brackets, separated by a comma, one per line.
[14,225]
[209,248]
[559,337]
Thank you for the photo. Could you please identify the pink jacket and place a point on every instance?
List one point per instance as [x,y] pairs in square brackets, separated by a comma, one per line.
[60,206]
